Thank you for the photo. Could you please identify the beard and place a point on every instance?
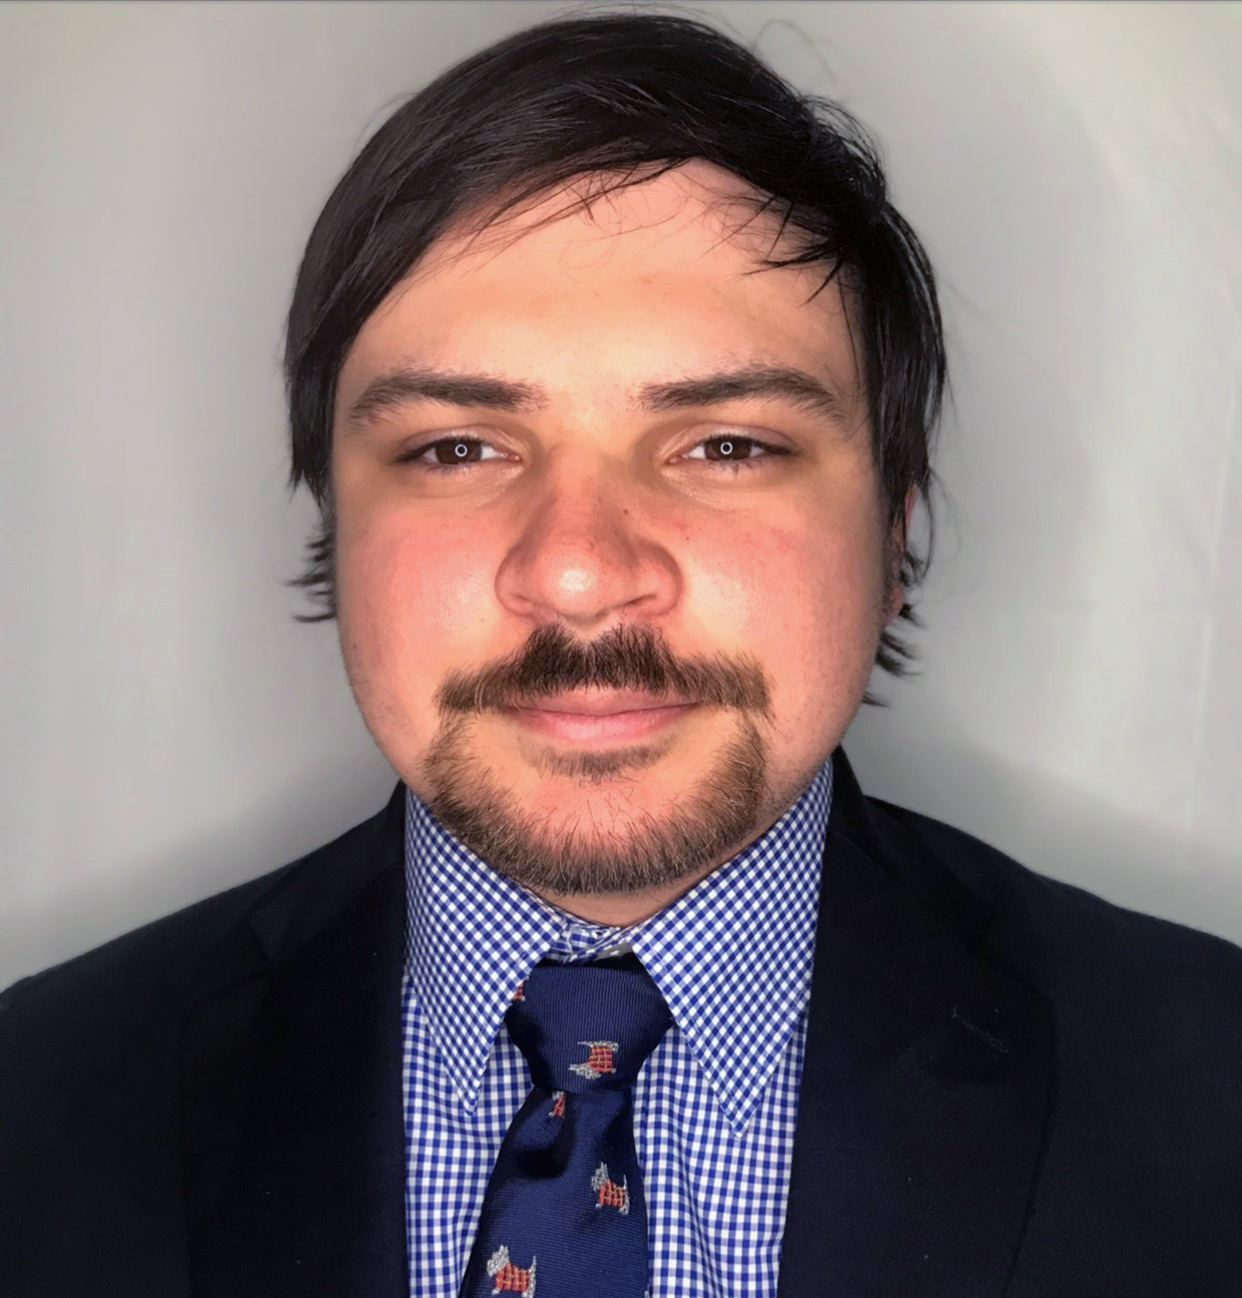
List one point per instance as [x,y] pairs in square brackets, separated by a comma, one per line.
[634,851]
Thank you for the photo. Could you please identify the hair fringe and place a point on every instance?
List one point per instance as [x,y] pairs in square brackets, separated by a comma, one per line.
[604,100]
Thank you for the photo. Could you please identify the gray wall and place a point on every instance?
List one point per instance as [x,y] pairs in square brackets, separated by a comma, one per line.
[1076,173]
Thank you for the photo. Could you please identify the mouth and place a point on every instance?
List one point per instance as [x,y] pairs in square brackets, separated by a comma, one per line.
[596,716]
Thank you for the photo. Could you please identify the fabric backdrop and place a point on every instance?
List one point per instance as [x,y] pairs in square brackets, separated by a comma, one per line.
[1076,173]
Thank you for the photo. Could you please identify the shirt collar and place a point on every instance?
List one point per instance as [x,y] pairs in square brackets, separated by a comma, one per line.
[732,957]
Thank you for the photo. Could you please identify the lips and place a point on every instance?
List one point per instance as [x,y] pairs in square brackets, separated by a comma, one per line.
[600,716]
[600,703]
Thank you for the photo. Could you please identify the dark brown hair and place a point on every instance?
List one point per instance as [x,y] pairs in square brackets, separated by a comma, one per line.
[621,97]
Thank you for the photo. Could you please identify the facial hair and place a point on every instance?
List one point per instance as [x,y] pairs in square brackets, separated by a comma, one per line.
[636,851]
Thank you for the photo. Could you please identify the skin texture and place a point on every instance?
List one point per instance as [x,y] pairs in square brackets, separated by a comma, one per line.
[594,544]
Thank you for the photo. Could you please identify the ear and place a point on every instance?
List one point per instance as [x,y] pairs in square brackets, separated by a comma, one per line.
[896,548]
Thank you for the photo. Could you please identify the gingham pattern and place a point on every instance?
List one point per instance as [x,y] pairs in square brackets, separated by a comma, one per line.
[715,1107]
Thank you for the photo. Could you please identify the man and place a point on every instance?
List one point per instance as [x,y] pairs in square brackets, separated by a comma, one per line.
[614,374]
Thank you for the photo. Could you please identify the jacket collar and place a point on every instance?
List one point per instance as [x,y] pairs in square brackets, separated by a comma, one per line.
[291,1081]
[925,1084]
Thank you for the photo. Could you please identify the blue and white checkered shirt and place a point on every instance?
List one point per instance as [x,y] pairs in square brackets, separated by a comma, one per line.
[715,1105]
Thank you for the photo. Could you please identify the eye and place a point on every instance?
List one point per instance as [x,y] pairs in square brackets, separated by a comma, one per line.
[731,451]
[449,453]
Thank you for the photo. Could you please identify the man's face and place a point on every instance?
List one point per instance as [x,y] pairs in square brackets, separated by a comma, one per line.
[611,557]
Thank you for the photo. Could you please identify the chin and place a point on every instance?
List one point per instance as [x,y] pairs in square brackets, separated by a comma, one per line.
[598,821]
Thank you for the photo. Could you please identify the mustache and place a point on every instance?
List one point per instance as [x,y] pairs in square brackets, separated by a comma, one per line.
[625,658]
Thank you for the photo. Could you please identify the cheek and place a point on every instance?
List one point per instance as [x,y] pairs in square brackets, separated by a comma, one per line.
[411,593]
[787,587]
[803,600]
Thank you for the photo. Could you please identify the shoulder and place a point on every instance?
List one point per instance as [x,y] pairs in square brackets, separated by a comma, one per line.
[158,967]
[1111,974]
[96,1054]
[1144,1083]
[1038,907]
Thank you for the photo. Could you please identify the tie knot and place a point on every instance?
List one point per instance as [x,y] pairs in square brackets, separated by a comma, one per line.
[588,1027]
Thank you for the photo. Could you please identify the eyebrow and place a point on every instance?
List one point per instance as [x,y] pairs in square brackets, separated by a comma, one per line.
[412,385]
[770,381]
[408,386]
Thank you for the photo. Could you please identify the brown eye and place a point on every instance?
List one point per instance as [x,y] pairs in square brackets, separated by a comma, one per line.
[449,453]
[736,452]
[456,450]
[729,448]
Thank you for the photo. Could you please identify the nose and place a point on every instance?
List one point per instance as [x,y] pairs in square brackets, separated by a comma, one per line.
[585,552]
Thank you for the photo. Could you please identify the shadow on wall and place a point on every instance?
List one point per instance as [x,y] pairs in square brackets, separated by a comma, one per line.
[1047,825]
[315,806]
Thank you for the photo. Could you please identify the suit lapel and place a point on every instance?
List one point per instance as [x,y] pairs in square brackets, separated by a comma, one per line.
[925,1081]
[293,1123]
[924,1092]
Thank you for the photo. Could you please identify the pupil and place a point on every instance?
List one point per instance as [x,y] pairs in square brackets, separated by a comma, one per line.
[730,447]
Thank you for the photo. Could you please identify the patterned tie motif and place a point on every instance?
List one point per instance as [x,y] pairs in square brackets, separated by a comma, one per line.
[564,1208]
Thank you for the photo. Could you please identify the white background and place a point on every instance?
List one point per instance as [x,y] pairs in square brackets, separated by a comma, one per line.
[1076,173]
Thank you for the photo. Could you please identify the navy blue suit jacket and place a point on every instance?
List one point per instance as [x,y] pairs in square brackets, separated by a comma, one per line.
[1010,1088]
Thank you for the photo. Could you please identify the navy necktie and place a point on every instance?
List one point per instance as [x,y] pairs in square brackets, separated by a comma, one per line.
[564,1208]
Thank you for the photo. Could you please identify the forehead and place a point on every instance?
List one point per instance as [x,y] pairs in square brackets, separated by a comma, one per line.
[664,276]
[688,210]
